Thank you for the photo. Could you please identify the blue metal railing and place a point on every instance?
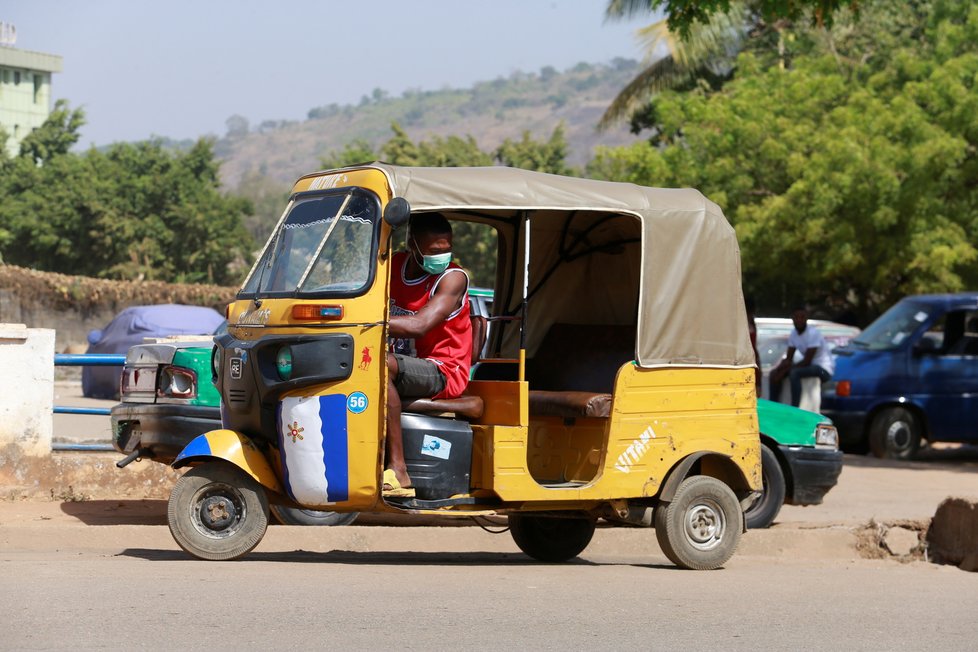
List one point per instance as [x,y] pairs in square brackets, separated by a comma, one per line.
[86,360]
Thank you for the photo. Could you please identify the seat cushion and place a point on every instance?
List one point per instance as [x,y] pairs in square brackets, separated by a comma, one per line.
[569,404]
[466,406]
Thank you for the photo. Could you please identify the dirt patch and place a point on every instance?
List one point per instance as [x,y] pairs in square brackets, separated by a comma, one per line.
[79,477]
[886,540]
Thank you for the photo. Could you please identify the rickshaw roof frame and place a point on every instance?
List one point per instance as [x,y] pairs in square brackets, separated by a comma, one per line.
[696,316]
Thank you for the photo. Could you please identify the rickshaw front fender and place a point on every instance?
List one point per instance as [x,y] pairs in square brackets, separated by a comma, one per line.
[232,447]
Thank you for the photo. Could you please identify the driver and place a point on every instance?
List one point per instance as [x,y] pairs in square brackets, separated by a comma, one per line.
[430,331]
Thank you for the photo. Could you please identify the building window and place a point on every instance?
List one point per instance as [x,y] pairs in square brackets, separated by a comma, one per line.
[37,89]
[17,77]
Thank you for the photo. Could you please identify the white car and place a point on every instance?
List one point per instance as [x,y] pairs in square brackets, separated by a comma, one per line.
[772,341]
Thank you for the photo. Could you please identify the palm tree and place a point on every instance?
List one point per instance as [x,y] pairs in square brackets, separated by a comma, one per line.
[707,51]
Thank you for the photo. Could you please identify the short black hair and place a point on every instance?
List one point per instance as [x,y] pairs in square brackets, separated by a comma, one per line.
[429,223]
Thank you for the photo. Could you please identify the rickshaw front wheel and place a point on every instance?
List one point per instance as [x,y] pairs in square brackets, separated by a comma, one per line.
[217,512]
[550,539]
[700,528]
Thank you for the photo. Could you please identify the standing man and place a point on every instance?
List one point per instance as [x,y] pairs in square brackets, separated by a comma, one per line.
[816,363]
[431,348]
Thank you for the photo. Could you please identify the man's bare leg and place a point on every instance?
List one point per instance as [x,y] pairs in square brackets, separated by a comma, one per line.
[395,439]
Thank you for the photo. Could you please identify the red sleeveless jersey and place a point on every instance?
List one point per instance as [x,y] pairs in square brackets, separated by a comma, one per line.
[449,343]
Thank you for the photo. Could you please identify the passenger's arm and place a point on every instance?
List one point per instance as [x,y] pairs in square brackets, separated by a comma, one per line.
[809,356]
[446,300]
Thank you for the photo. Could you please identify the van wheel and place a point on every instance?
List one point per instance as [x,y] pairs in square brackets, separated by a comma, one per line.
[895,434]
[700,528]
[550,539]
[217,512]
[765,509]
[296,516]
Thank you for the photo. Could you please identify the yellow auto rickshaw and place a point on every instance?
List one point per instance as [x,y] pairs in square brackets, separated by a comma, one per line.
[617,382]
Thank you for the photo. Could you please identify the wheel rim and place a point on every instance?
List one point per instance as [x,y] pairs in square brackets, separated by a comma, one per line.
[218,511]
[704,524]
[899,437]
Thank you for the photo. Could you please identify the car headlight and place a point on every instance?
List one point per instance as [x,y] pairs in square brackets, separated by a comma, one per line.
[826,436]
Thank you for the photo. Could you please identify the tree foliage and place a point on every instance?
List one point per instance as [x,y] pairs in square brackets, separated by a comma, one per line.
[132,211]
[684,15]
[850,174]
[474,244]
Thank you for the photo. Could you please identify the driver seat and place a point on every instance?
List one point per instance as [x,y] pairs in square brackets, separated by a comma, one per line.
[468,407]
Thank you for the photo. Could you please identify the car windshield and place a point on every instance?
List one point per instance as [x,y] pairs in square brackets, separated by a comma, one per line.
[322,248]
[893,327]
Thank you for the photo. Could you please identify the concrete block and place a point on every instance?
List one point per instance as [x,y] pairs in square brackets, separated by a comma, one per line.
[900,541]
[811,394]
[26,388]
[953,534]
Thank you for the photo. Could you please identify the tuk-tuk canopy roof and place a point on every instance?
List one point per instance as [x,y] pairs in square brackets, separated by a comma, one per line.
[691,306]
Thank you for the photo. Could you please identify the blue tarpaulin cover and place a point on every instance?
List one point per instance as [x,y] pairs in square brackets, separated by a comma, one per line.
[131,327]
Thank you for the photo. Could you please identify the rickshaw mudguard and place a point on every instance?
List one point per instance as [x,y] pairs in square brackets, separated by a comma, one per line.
[232,447]
[681,471]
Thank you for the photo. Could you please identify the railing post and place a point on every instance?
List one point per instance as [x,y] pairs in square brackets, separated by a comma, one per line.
[27,388]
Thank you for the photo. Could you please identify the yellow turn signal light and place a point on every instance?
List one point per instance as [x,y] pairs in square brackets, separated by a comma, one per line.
[316,312]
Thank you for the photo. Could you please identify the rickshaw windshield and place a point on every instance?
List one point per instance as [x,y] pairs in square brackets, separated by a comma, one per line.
[323,247]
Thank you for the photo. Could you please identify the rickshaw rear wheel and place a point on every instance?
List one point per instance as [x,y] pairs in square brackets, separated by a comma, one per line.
[701,527]
[551,539]
[217,512]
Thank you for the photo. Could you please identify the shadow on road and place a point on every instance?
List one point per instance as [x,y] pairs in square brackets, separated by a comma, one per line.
[385,558]
[117,512]
[961,458]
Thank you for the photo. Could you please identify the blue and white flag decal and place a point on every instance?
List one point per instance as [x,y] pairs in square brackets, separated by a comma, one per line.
[312,440]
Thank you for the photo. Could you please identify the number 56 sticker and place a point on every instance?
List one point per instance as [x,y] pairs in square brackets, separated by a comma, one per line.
[356,402]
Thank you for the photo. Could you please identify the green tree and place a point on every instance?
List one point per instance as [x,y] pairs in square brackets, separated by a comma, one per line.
[529,154]
[131,211]
[849,176]
[683,15]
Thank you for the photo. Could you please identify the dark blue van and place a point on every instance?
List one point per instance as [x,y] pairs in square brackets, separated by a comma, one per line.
[911,375]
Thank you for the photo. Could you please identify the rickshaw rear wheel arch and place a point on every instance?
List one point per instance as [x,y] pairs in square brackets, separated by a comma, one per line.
[721,467]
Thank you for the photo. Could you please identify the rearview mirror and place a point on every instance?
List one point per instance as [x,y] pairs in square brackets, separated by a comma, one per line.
[397,212]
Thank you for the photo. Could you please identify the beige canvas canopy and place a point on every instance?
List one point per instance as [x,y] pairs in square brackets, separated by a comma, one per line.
[690,303]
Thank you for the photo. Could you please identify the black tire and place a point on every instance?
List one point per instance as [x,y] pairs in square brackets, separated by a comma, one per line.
[700,528]
[217,512]
[551,539]
[297,516]
[765,509]
[895,434]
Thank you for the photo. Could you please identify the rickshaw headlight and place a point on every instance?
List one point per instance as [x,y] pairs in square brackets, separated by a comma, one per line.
[283,362]
[826,436]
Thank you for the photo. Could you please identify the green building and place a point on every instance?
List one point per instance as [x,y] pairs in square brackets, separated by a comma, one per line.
[25,92]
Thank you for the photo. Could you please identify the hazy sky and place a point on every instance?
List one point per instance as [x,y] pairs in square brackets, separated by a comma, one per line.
[180,68]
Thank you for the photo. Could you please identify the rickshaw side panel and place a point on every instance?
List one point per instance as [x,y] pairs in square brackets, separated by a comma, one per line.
[662,415]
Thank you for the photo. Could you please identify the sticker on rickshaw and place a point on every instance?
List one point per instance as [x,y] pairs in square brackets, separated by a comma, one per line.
[635,451]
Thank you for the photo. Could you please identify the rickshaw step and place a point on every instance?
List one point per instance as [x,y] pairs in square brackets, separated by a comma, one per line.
[416,503]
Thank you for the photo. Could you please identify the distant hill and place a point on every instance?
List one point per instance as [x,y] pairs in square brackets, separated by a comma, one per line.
[490,111]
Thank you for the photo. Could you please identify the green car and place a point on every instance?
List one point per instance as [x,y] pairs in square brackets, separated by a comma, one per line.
[800,460]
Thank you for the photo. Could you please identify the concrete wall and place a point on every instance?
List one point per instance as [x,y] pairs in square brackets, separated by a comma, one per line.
[27,396]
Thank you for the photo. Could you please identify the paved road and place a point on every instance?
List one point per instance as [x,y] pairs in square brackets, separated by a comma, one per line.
[118,581]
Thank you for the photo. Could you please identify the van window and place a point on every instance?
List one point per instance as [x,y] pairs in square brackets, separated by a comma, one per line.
[893,327]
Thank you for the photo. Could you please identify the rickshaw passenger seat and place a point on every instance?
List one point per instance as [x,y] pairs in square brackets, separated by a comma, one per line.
[572,373]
